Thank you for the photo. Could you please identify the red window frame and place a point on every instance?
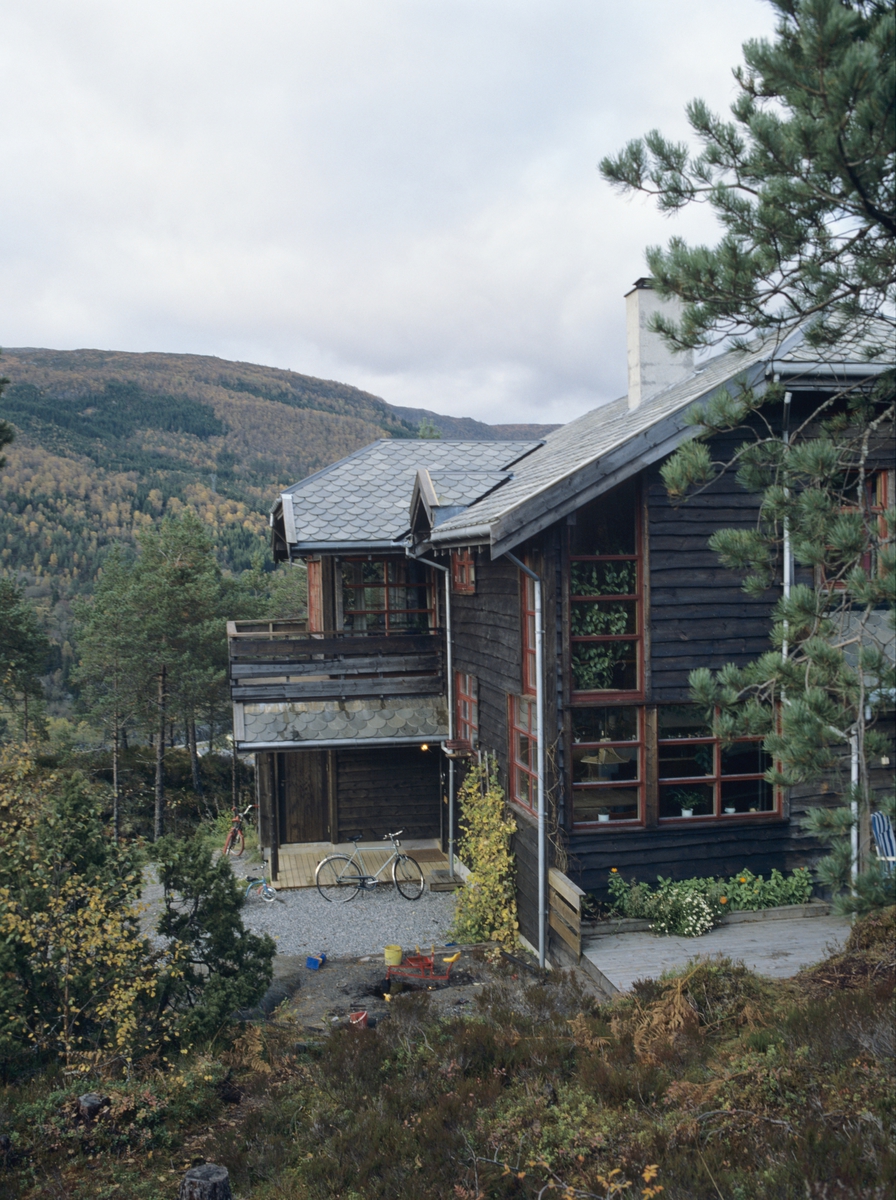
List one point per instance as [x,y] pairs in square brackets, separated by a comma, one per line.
[390,612]
[463,572]
[466,707]
[596,789]
[875,503]
[607,696]
[715,779]
[522,722]
[527,624]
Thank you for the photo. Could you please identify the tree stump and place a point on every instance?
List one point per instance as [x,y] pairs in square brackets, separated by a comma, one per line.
[208,1182]
[90,1104]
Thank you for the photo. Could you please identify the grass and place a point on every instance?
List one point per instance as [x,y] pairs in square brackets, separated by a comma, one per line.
[733,1085]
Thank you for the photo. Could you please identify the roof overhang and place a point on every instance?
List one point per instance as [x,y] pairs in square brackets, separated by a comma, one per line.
[556,501]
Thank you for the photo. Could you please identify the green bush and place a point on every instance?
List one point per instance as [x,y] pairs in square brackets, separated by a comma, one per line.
[690,907]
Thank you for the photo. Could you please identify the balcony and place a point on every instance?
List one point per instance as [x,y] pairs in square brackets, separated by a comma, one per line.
[292,687]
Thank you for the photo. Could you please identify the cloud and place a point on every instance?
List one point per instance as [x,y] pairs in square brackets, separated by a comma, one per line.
[401,195]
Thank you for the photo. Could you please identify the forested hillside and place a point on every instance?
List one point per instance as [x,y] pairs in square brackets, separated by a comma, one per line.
[107,443]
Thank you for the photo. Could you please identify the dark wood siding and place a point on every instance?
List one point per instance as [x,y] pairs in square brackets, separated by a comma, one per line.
[303,796]
[699,616]
[381,790]
[683,853]
[525,852]
[487,644]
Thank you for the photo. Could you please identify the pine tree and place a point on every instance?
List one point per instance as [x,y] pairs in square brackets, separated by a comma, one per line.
[109,636]
[802,182]
[23,652]
[179,585]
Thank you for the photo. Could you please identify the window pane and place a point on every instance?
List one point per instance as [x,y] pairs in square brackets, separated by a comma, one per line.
[522,787]
[604,764]
[365,622]
[525,751]
[747,795]
[401,620]
[617,804]
[607,525]
[696,797]
[682,721]
[744,758]
[604,579]
[605,667]
[604,724]
[595,619]
[686,759]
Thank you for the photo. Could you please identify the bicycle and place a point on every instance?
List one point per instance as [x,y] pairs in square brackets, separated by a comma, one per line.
[260,887]
[235,842]
[339,877]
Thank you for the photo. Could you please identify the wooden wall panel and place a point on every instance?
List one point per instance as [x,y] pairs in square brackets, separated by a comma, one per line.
[683,853]
[525,852]
[382,789]
[699,616]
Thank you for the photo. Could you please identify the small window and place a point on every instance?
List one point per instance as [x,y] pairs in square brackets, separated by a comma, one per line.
[527,620]
[607,765]
[463,572]
[524,751]
[467,707]
[699,777]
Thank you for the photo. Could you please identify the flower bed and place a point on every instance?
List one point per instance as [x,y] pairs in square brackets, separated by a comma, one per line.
[691,907]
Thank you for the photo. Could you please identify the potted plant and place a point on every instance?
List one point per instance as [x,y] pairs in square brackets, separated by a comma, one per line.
[603,814]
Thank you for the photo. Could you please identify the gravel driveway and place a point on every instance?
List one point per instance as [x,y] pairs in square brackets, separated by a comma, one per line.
[302,922]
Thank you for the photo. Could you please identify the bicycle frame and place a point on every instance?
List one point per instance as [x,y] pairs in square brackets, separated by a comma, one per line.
[357,857]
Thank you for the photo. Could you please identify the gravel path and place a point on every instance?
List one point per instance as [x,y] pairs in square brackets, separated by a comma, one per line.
[302,922]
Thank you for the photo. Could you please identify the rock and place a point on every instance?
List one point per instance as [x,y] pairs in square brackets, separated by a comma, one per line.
[208,1182]
[90,1103]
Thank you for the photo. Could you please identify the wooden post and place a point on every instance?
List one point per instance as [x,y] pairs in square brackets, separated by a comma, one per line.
[208,1182]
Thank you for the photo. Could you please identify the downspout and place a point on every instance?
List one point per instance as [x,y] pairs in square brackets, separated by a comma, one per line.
[788,555]
[449,671]
[540,752]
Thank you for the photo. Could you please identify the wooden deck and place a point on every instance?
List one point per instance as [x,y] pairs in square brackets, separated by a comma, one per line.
[299,862]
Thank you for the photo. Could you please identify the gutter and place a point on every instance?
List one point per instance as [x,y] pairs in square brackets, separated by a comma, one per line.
[339,744]
[540,752]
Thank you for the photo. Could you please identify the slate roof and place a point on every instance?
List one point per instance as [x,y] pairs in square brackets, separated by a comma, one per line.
[364,499]
[597,450]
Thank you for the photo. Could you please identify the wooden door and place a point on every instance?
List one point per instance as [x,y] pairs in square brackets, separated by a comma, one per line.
[303,799]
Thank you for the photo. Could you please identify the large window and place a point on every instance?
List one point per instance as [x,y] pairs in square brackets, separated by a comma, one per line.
[385,595]
[699,777]
[466,707]
[605,595]
[607,765]
[524,751]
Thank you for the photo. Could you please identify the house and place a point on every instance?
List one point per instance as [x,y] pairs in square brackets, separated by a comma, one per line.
[543,601]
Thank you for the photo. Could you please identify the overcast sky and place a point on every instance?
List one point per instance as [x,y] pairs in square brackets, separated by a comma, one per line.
[399,194]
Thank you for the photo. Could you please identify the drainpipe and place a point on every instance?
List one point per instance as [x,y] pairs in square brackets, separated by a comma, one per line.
[788,556]
[540,752]
[449,671]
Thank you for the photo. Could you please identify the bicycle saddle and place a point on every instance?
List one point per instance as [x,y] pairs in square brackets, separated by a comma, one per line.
[359,837]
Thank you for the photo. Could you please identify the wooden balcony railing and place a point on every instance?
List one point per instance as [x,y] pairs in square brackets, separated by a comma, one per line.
[281,660]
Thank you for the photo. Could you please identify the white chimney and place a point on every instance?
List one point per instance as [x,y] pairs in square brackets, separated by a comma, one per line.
[652,366]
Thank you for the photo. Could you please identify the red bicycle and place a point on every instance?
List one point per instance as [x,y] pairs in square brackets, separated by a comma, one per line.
[235,842]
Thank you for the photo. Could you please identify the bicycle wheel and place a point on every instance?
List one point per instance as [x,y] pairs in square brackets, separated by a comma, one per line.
[408,877]
[235,843]
[338,878]
[268,893]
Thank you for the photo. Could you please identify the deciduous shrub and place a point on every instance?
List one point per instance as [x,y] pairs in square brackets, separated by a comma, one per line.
[486,907]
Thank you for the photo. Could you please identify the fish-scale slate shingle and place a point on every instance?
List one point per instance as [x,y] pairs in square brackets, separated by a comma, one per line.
[285,722]
[364,498]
